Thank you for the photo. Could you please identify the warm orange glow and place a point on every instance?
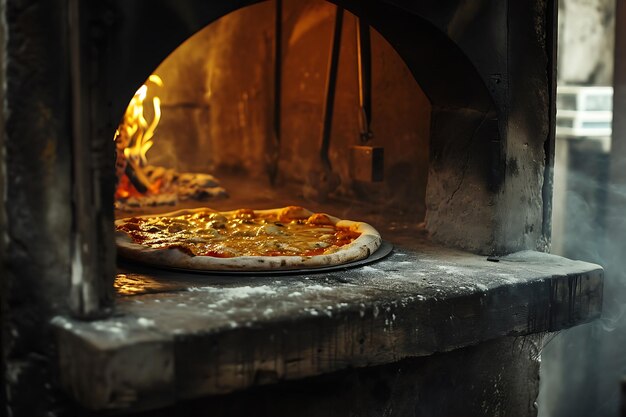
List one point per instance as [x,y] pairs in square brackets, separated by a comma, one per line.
[133,139]
[126,189]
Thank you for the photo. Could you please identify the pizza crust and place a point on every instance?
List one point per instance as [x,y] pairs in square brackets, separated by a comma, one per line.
[362,247]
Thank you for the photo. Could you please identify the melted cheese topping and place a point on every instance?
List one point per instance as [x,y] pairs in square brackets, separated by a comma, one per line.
[242,233]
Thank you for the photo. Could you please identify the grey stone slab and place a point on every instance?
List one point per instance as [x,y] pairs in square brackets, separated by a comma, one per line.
[225,333]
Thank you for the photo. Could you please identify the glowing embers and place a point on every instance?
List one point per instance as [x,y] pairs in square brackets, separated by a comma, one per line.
[140,184]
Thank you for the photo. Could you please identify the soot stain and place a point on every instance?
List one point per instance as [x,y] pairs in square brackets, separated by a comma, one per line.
[513,167]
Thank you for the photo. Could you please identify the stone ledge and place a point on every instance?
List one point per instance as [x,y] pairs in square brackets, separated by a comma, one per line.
[186,336]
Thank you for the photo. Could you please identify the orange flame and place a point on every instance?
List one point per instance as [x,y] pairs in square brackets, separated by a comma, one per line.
[133,138]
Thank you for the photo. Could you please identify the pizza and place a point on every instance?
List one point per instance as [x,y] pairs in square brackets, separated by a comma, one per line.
[244,240]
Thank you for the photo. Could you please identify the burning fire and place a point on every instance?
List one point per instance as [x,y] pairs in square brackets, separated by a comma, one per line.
[140,184]
[133,139]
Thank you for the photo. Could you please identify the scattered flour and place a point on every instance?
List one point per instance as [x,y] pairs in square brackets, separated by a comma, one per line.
[312,311]
[236,292]
[452,269]
[317,287]
[111,327]
[508,277]
[142,321]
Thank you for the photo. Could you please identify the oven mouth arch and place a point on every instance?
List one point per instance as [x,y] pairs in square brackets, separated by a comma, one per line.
[225,69]
[444,72]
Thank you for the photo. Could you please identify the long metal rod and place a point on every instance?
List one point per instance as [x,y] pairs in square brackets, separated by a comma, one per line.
[331,83]
[278,67]
[364,56]
[274,150]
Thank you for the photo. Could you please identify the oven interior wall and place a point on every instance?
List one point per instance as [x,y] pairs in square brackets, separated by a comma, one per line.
[218,105]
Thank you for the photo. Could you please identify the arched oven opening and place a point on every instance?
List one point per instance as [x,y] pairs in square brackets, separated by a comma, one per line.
[223,123]
[395,127]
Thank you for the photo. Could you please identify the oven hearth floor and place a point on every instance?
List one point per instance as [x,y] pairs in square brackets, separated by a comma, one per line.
[176,335]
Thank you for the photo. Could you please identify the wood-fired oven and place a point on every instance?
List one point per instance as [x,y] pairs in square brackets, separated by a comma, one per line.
[434,121]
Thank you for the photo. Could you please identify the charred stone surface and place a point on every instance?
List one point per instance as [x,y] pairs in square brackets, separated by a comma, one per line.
[530,104]
[36,229]
[459,195]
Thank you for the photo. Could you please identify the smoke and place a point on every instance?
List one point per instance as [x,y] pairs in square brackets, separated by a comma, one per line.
[582,367]
[593,236]
[611,323]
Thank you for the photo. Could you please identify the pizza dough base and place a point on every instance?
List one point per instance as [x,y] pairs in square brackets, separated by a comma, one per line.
[362,247]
